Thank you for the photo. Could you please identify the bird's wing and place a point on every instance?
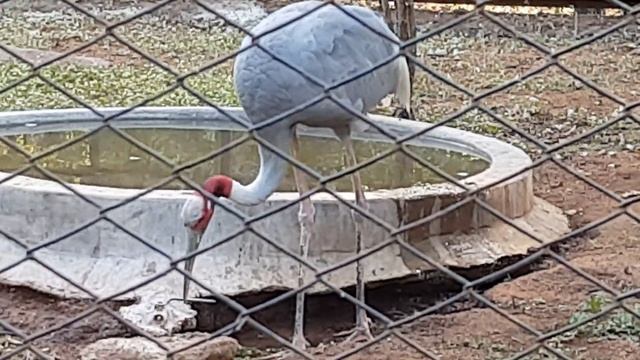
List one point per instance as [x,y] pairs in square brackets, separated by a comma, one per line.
[344,48]
[329,45]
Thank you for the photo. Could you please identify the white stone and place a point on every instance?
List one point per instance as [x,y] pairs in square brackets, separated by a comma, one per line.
[140,348]
[159,314]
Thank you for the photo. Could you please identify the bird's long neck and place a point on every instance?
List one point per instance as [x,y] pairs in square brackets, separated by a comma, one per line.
[272,171]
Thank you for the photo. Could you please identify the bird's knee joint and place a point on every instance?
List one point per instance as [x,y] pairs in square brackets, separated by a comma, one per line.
[306,215]
[357,216]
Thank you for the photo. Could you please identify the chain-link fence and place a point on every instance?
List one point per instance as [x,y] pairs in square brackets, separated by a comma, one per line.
[407,236]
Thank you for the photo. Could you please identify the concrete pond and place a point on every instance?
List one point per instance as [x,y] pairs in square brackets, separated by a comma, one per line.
[102,251]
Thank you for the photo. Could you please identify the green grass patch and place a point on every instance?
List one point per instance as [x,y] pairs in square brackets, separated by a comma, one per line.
[616,324]
[111,86]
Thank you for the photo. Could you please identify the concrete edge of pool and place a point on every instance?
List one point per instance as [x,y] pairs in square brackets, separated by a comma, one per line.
[106,259]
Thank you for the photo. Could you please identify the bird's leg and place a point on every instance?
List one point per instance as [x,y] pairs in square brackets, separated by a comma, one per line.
[306,217]
[363,322]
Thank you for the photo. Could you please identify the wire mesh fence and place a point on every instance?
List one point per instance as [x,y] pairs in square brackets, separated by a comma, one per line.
[387,327]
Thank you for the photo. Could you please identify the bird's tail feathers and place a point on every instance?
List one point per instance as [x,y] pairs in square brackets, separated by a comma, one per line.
[403,90]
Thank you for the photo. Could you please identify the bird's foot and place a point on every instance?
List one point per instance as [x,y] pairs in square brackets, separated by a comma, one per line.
[357,334]
[299,341]
[402,113]
[361,332]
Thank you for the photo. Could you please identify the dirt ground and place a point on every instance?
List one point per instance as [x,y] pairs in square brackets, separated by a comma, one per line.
[546,299]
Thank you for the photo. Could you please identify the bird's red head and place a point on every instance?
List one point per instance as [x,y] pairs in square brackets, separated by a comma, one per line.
[218,185]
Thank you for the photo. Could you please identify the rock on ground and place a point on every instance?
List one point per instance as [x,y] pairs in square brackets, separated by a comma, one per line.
[140,348]
[158,315]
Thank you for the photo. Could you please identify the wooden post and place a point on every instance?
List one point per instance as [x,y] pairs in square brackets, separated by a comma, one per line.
[403,23]
[581,12]
[386,10]
[406,26]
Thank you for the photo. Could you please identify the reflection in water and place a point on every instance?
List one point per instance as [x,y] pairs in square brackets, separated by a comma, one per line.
[108,160]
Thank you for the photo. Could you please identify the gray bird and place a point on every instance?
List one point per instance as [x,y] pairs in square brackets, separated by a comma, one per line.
[330,46]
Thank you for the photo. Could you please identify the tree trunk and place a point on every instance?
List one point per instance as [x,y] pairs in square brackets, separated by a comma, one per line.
[386,10]
[403,22]
[406,27]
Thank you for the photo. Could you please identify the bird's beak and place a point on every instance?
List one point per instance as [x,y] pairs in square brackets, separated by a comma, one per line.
[193,242]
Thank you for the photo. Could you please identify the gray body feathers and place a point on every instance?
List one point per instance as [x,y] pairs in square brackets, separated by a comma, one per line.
[330,46]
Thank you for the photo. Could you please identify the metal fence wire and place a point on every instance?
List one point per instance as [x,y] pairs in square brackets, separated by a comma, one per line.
[389,327]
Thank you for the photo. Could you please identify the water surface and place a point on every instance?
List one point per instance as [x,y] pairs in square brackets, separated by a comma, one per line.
[106,159]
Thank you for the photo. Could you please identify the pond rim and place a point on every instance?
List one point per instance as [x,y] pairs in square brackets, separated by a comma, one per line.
[504,159]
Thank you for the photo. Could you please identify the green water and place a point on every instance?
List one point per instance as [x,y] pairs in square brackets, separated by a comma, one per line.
[105,159]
